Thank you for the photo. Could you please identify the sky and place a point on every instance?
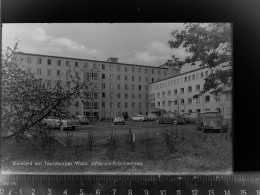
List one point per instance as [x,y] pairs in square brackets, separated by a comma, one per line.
[137,43]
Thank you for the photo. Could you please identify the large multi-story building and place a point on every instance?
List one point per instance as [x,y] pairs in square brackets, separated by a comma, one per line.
[117,87]
[176,94]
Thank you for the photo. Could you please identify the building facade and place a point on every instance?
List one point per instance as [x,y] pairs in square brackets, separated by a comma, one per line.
[176,94]
[117,87]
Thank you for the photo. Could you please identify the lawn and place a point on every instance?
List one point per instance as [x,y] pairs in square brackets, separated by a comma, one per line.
[187,152]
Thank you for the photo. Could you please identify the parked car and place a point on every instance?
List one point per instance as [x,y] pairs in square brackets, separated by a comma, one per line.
[193,117]
[152,117]
[185,116]
[138,117]
[62,124]
[119,119]
[82,120]
[211,121]
[170,117]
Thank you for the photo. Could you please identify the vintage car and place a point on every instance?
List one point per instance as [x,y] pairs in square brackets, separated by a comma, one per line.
[62,124]
[211,121]
[170,117]
[151,117]
[138,117]
[82,120]
[193,117]
[119,119]
[185,116]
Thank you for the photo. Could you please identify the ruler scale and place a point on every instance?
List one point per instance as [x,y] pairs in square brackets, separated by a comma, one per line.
[129,184]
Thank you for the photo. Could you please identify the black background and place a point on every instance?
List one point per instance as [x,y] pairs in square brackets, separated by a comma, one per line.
[244,14]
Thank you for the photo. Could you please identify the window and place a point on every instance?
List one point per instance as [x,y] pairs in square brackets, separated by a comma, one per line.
[125,68]
[182,101]
[126,105]
[169,92]
[207,109]
[133,78]
[146,71]
[197,87]
[94,66]
[111,95]
[197,76]
[29,70]
[76,73]
[193,77]
[111,104]
[118,86]
[103,95]
[158,95]
[189,78]
[29,60]
[218,109]
[103,76]
[140,96]
[49,72]
[206,73]
[152,79]
[158,104]
[118,68]
[133,87]
[189,88]
[185,79]
[103,85]
[175,102]
[118,96]
[67,63]
[111,76]
[133,96]
[39,61]
[182,90]
[133,105]
[140,105]
[198,100]
[111,86]
[165,73]
[189,100]
[76,64]
[119,104]
[175,91]
[126,78]
[152,71]
[49,61]
[126,87]
[58,73]
[103,104]
[111,67]
[171,82]
[140,79]
[169,103]
[217,98]
[140,70]
[207,98]
[159,72]
[103,67]
[146,97]
[133,69]
[163,94]
[201,75]
[126,95]
[58,62]
[118,77]
[39,71]
[76,104]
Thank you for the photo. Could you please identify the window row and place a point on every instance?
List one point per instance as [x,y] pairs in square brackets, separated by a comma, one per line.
[125,87]
[133,78]
[124,105]
[126,96]
[180,80]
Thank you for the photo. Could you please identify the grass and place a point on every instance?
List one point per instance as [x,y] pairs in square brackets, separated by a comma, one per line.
[191,155]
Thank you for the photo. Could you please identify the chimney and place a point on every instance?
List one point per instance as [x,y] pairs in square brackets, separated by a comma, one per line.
[114,60]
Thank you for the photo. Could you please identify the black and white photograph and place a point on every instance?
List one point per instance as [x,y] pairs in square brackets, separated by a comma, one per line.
[142,98]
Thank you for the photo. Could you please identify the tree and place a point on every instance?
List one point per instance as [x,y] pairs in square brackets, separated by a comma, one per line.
[210,45]
[27,100]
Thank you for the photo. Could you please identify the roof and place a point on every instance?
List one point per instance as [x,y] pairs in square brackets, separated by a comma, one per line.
[180,74]
[22,53]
